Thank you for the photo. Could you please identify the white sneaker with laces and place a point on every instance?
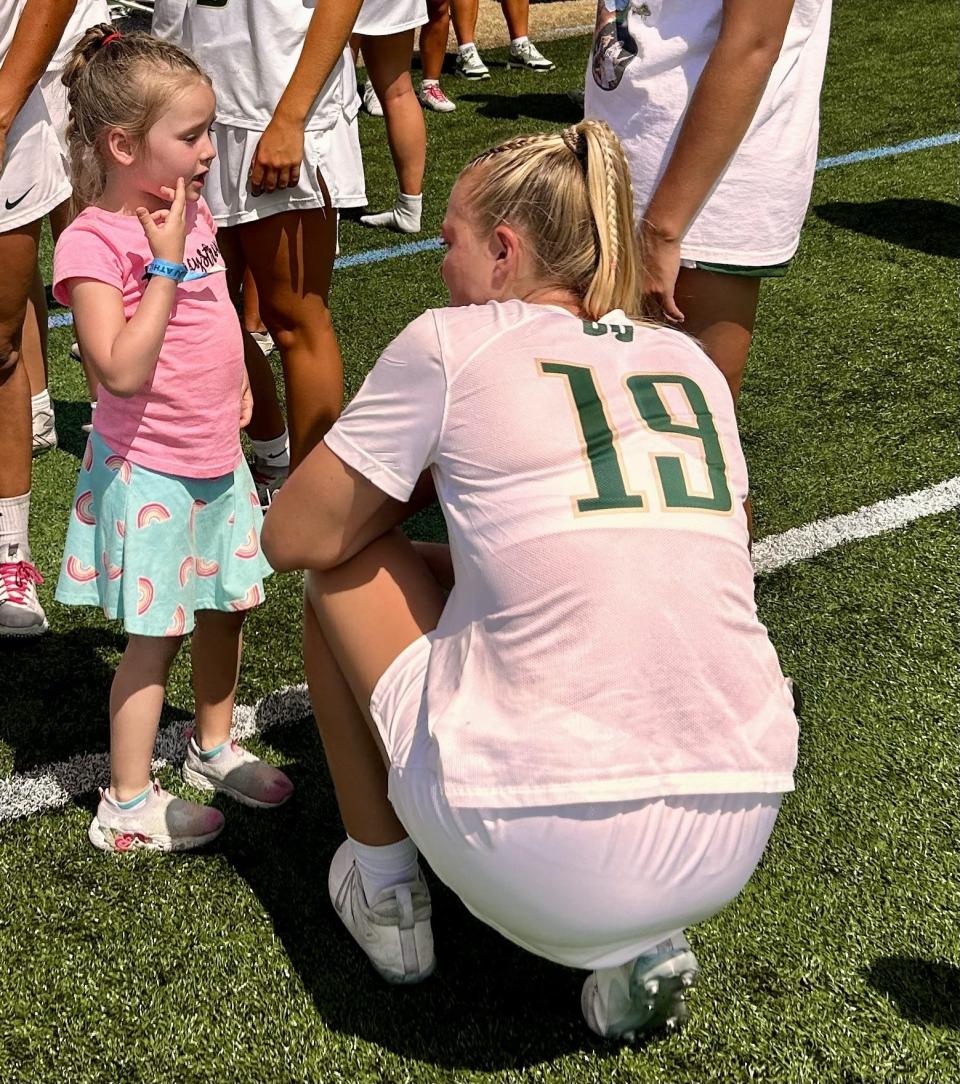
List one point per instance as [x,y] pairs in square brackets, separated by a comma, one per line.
[528,56]
[394,930]
[371,103]
[469,65]
[20,611]
[44,431]
[432,97]
[644,995]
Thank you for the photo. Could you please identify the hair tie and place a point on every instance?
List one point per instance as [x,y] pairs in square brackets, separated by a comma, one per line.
[115,36]
[575,142]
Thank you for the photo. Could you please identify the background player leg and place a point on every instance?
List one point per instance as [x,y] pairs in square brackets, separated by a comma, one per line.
[388,62]
[433,48]
[291,258]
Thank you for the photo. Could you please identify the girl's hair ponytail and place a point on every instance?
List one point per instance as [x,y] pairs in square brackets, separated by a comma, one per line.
[569,194]
[116,80]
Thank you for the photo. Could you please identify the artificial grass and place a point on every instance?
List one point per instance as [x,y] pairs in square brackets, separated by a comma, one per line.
[841,960]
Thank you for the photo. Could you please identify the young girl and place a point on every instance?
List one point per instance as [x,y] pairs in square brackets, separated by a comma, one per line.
[588,739]
[165,524]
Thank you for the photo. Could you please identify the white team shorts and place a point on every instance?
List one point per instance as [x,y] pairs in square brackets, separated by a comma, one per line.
[588,885]
[34,178]
[334,153]
[379,18]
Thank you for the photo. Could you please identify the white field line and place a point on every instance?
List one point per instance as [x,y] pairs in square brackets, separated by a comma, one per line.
[54,785]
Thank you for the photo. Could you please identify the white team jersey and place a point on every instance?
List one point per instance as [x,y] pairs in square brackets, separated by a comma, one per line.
[87,13]
[249,49]
[646,61]
[9,16]
[602,640]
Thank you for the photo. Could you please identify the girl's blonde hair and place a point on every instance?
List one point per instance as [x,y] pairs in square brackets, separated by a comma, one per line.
[116,81]
[569,194]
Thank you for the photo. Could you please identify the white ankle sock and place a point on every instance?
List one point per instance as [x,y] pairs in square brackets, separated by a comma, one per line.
[14,524]
[515,43]
[404,217]
[276,451]
[40,402]
[430,83]
[466,45]
[384,867]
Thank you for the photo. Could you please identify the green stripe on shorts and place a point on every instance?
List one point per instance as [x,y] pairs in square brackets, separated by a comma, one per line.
[772,271]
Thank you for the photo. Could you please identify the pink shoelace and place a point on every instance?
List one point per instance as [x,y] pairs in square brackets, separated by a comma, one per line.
[433,91]
[16,577]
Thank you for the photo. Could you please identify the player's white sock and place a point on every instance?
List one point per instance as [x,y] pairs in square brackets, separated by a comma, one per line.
[40,402]
[276,451]
[466,45]
[430,82]
[384,867]
[14,523]
[404,217]
[515,43]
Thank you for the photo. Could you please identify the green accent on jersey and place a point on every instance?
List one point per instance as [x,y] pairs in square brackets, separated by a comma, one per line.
[591,327]
[672,480]
[622,332]
[598,439]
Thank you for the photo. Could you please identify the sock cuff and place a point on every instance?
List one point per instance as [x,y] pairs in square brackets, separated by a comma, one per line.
[514,42]
[467,45]
[132,803]
[41,399]
[274,448]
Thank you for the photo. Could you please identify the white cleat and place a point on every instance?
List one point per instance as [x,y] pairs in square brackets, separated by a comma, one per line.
[643,996]
[394,930]
[44,432]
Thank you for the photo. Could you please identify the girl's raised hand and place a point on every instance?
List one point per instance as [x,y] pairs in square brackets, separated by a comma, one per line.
[166,229]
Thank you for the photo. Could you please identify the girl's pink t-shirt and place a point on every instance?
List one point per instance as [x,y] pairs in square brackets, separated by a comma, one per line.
[185,420]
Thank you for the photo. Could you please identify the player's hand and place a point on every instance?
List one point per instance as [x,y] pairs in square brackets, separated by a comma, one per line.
[278,157]
[661,259]
[166,229]
[246,403]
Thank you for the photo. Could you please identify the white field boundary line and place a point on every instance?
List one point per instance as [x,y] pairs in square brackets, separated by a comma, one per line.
[55,785]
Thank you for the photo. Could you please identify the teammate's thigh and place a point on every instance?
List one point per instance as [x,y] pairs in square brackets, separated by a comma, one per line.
[720,311]
[373,607]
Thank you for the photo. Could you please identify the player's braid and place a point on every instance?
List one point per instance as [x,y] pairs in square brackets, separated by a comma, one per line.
[610,174]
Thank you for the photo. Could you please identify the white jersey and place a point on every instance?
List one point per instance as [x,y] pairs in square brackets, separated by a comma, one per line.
[87,13]
[601,642]
[249,49]
[647,59]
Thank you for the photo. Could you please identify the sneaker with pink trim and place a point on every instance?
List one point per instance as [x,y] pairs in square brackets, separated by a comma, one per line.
[237,773]
[432,97]
[20,611]
[160,822]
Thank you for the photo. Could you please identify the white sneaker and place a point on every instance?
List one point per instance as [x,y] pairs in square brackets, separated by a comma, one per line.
[468,64]
[75,352]
[20,611]
[44,432]
[432,97]
[394,931]
[644,995]
[371,103]
[527,55]
[238,773]
[160,823]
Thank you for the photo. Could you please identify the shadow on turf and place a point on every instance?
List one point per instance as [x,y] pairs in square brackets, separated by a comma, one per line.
[923,991]
[70,417]
[556,107]
[925,225]
[489,1006]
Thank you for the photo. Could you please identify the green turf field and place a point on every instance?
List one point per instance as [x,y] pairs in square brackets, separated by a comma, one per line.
[841,960]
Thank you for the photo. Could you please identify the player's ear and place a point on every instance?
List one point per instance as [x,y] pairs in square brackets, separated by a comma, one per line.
[120,146]
[505,248]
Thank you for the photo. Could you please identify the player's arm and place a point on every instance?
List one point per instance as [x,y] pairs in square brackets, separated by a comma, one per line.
[39,30]
[720,111]
[277,159]
[326,512]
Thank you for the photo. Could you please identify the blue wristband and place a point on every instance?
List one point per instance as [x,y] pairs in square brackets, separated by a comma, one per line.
[168,270]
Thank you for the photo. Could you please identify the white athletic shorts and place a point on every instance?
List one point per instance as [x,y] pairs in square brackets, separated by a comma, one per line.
[587,885]
[34,178]
[334,153]
[378,18]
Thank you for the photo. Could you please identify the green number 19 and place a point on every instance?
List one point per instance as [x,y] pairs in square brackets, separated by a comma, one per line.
[604,456]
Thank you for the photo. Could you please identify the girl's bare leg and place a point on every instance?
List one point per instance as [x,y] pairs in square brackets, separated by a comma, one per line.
[358,618]
[215,654]
[136,697]
[388,62]
[465,14]
[433,38]
[18,257]
[517,15]
[267,421]
[291,258]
